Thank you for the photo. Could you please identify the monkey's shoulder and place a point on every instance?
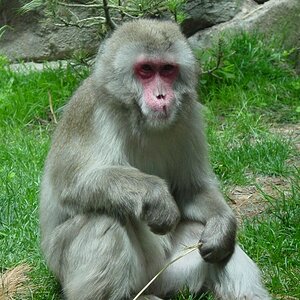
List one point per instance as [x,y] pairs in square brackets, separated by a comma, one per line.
[81,103]
[76,117]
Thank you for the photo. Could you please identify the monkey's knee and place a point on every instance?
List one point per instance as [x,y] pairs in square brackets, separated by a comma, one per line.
[191,269]
[101,262]
[239,278]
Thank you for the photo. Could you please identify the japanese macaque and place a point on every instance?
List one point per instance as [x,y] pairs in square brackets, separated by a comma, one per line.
[128,185]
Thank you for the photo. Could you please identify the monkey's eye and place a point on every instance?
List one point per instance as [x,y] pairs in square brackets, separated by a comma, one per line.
[146,68]
[168,69]
[145,71]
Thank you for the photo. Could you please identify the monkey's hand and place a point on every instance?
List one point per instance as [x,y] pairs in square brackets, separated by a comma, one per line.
[218,239]
[159,209]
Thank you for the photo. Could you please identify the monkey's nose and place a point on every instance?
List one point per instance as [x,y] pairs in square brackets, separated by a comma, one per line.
[161,97]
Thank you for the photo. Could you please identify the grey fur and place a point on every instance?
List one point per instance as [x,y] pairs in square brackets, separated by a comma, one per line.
[122,191]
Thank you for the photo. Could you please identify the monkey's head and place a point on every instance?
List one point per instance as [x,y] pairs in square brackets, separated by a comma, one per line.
[147,65]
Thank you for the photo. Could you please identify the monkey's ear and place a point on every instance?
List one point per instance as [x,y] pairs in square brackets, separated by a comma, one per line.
[191,26]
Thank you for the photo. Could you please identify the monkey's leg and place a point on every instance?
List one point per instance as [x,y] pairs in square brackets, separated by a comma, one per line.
[99,263]
[190,270]
[238,279]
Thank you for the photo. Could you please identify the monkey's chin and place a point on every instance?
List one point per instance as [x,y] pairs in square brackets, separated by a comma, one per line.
[159,120]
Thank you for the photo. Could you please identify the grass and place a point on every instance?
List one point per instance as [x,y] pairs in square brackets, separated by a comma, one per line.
[273,240]
[253,90]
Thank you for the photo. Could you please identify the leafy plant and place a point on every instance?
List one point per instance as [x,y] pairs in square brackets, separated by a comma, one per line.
[247,69]
[2,30]
[104,14]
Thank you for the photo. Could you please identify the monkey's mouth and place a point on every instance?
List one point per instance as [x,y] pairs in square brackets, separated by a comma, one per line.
[158,116]
[163,114]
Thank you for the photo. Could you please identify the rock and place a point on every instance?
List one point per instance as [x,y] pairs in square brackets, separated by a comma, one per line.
[205,13]
[280,17]
[27,67]
[30,37]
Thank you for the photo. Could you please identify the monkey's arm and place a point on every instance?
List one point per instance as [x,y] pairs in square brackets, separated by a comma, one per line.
[124,190]
[218,238]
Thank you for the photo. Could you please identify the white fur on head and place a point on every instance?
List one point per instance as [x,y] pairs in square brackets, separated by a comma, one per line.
[153,40]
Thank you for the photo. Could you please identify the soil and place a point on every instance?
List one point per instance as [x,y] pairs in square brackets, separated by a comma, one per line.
[248,201]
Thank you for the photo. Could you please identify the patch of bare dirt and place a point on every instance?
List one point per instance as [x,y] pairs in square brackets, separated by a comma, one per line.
[291,131]
[248,201]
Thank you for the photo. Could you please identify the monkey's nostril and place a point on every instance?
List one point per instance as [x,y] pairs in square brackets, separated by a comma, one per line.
[161,96]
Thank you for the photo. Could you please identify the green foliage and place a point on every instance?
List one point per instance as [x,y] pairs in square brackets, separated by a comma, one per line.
[254,71]
[22,152]
[24,97]
[186,295]
[237,160]
[176,9]
[31,5]
[2,30]
[273,239]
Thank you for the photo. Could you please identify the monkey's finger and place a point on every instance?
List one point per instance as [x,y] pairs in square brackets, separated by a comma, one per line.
[161,230]
[213,255]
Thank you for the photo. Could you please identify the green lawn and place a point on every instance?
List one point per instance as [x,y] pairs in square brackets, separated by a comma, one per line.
[252,91]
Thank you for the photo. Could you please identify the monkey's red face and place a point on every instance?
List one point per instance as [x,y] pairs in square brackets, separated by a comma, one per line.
[157,79]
